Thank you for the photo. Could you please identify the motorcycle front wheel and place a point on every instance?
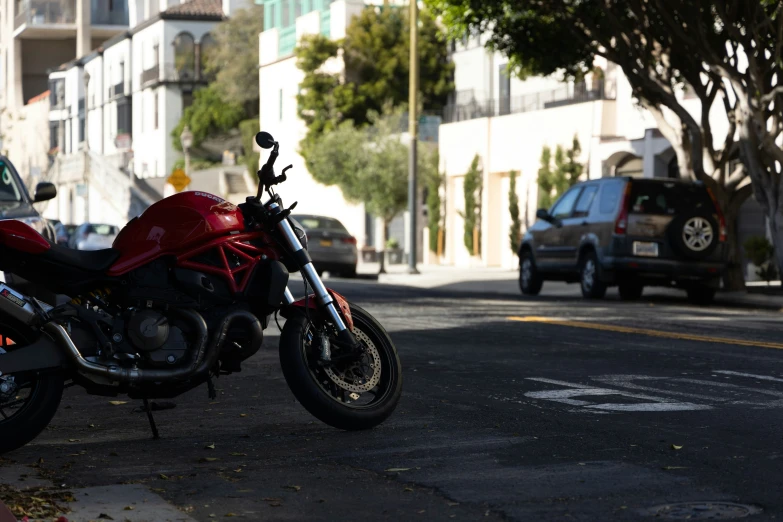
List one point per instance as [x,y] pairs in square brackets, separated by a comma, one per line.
[356,393]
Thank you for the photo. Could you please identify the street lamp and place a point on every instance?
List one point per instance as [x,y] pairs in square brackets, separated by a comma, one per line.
[186,138]
[413,86]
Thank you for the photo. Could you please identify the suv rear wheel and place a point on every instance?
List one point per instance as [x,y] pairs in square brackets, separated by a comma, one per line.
[701,295]
[630,291]
[530,281]
[590,272]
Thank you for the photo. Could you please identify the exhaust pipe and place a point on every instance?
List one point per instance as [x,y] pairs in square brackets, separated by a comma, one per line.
[47,354]
[204,357]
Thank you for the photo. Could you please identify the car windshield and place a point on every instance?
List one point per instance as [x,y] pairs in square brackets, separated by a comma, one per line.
[10,191]
[102,230]
[320,223]
[668,198]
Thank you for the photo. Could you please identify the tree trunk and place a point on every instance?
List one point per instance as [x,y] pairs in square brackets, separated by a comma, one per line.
[730,203]
[776,229]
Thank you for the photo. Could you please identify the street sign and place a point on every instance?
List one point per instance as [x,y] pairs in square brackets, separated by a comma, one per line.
[179,180]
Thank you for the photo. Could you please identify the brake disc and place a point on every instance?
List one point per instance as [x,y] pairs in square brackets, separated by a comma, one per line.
[348,379]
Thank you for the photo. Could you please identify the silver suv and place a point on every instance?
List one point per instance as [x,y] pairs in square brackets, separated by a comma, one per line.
[631,233]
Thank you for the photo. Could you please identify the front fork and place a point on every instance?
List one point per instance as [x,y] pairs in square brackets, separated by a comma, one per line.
[322,296]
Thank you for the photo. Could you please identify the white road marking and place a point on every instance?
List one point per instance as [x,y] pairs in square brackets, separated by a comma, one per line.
[579,390]
[751,375]
[626,381]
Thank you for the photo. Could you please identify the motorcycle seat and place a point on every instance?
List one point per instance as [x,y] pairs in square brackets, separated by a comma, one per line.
[88,260]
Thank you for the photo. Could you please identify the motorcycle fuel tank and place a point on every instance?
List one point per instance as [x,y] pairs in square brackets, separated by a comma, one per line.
[173,225]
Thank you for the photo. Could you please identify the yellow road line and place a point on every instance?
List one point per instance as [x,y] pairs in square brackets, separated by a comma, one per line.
[645,331]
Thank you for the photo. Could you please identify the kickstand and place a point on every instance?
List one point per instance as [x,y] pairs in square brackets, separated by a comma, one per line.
[211,388]
[148,408]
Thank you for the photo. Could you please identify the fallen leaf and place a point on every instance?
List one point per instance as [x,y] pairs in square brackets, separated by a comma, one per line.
[104,516]
[408,490]
[243,414]
[675,447]
[207,459]
[453,504]
[238,470]
[118,403]
[163,477]
[295,488]
[422,511]
[239,454]
[129,508]
[229,515]
[91,426]
[271,499]
[245,491]
[398,469]
[158,490]
[74,440]
[210,446]
[581,463]
[670,468]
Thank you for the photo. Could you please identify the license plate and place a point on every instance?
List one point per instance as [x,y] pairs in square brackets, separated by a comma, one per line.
[646,249]
[326,242]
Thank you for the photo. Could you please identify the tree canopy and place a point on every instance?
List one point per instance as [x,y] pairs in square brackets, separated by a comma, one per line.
[234,60]
[376,55]
[553,182]
[208,115]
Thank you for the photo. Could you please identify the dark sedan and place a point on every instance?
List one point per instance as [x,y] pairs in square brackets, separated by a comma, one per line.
[331,246]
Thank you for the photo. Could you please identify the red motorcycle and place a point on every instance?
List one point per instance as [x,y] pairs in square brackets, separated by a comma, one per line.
[184,295]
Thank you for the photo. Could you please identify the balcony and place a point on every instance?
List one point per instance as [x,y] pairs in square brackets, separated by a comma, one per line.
[45,12]
[566,95]
[169,73]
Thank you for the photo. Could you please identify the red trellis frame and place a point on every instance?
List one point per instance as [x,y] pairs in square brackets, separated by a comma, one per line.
[238,244]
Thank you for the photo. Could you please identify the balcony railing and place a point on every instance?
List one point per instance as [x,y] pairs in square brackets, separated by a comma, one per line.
[117,17]
[287,41]
[42,12]
[566,95]
[170,73]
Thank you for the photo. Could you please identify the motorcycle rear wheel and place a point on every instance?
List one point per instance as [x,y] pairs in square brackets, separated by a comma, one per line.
[26,412]
[343,398]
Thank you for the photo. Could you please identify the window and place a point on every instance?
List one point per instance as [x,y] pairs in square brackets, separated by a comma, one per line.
[207,49]
[155,98]
[610,196]
[124,116]
[286,14]
[565,204]
[320,223]
[653,197]
[585,201]
[9,189]
[280,103]
[155,55]
[54,127]
[187,100]
[297,8]
[504,90]
[185,56]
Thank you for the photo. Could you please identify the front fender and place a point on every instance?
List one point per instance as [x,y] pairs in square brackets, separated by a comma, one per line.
[342,305]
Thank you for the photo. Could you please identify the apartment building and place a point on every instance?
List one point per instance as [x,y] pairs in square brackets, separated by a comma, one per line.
[507,122]
[36,36]
[113,109]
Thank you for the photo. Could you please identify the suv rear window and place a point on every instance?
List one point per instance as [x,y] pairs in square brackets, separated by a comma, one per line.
[668,198]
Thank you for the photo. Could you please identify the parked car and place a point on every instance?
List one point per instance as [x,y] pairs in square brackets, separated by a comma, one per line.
[93,236]
[331,246]
[16,203]
[60,232]
[631,233]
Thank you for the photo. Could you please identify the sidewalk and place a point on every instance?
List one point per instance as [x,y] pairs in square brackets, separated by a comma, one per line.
[504,282]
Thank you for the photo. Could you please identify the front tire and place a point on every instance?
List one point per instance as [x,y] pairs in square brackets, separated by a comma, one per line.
[321,395]
[530,281]
[26,412]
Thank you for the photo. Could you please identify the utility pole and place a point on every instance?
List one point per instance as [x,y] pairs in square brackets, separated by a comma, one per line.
[412,130]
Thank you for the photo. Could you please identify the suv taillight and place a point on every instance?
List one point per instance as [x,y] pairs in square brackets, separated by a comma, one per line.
[721,217]
[621,224]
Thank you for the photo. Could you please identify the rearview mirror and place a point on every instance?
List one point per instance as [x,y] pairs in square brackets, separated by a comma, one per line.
[44,192]
[543,214]
[265,140]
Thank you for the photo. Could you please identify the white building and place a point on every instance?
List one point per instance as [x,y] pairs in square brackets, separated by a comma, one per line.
[35,36]
[285,22]
[507,122]
[114,109]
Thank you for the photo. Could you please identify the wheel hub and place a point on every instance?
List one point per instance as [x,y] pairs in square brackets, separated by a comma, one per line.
[7,388]
[360,376]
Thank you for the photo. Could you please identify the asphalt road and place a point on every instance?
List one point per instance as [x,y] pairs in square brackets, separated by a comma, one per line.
[513,409]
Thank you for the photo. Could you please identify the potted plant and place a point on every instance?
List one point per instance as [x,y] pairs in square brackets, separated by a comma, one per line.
[393,252]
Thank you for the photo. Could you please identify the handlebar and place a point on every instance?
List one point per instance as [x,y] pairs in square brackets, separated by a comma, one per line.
[266,176]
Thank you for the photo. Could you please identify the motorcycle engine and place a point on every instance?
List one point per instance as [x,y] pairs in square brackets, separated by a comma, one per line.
[158,340]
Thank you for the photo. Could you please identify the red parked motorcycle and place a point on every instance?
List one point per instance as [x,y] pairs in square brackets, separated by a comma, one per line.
[183,296]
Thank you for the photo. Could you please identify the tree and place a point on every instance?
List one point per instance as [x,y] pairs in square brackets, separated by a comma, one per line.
[515,233]
[552,183]
[234,60]
[369,164]
[375,51]
[661,46]
[249,129]
[209,114]
[472,188]
[433,181]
